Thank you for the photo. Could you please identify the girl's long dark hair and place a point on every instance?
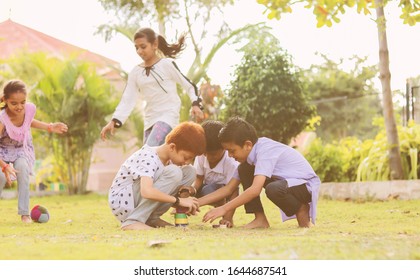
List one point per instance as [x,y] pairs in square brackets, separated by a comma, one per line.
[168,50]
[11,87]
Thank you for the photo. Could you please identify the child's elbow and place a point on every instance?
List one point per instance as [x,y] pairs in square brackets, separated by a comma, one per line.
[146,194]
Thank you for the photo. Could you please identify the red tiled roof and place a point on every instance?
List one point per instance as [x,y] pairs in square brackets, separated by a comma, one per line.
[15,37]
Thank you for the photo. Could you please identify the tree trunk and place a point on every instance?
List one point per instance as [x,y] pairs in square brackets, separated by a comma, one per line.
[162,29]
[395,163]
[161,22]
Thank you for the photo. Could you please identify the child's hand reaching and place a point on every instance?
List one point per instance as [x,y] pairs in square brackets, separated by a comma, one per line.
[58,127]
[109,128]
[186,191]
[197,114]
[10,173]
[191,203]
[214,213]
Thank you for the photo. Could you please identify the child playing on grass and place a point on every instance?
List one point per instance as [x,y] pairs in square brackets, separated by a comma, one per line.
[147,183]
[214,169]
[16,119]
[288,179]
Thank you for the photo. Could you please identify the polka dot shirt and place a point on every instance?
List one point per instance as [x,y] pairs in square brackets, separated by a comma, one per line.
[144,162]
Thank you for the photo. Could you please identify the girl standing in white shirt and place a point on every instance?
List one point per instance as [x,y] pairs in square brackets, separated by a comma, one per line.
[156,81]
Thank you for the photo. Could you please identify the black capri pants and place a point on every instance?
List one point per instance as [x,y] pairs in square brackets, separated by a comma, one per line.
[289,200]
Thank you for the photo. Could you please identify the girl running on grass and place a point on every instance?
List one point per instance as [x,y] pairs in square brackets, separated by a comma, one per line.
[16,119]
[155,80]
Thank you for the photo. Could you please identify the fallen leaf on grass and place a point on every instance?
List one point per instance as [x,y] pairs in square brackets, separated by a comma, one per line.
[256,255]
[157,243]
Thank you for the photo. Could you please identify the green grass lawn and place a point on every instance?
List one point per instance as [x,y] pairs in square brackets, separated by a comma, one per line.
[83,228]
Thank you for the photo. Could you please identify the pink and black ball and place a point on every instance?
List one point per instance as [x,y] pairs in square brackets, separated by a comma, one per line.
[40,214]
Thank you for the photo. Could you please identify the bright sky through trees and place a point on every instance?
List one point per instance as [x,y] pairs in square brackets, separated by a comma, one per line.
[75,22]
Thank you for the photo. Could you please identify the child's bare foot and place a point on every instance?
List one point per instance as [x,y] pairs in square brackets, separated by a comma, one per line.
[26,219]
[302,216]
[260,221]
[157,223]
[136,226]
[257,224]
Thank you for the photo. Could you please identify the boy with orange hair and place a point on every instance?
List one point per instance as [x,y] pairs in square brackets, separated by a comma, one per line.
[146,184]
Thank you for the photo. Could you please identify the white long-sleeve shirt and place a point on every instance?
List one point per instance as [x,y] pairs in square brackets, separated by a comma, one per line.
[158,92]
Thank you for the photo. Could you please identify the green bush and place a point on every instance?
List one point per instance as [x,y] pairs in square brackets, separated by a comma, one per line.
[267,92]
[326,161]
[337,161]
[350,159]
[409,148]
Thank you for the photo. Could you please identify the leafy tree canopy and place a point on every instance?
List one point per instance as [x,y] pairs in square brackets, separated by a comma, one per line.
[72,92]
[328,11]
[346,101]
[131,12]
[267,92]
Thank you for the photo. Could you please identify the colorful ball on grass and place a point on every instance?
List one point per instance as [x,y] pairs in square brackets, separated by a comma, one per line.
[40,214]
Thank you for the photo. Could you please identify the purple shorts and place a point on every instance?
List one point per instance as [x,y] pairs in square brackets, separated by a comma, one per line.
[155,136]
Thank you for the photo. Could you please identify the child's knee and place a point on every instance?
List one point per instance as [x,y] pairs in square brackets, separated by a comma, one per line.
[22,166]
[173,173]
[208,189]
[276,189]
[188,172]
